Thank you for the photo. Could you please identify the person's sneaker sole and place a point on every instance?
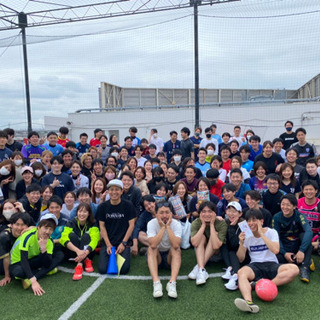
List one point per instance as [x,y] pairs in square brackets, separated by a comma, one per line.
[158,294]
[306,280]
[172,295]
[199,283]
[242,305]
[231,288]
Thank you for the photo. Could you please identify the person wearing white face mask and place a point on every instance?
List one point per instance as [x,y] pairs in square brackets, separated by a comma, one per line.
[171,145]
[208,139]
[38,170]
[19,162]
[211,151]
[7,175]
[157,141]
[176,158]
[8,208]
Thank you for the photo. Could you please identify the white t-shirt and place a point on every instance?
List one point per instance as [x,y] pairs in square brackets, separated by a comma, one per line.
[222,174]
[204,142]
[158,142]
[153,228]
[258,250]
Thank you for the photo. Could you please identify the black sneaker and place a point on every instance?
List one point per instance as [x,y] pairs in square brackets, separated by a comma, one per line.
[304,274]
[143,251]
[253,285]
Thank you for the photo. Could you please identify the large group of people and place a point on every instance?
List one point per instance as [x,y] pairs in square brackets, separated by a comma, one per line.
[252,204]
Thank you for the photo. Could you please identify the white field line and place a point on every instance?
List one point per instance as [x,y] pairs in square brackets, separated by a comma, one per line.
[122,277]
[78,303]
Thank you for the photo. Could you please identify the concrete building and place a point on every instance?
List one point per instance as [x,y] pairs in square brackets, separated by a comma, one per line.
[263,111]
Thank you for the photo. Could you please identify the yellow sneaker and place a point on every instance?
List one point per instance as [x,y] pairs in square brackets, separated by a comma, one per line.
[312,266]
[26,284]
[53,271]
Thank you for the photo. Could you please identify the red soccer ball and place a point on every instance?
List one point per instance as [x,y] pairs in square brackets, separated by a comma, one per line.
[266,290]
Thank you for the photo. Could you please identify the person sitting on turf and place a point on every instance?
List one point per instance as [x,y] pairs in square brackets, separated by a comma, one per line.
[295,235]
[263,247]
[164,237]
[207,236]
[229,250]
[140,229]
[18,223]
[116,221]
[80,237]
[31,255]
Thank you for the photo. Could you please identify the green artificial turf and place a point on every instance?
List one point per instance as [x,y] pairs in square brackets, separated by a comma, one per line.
[132,299]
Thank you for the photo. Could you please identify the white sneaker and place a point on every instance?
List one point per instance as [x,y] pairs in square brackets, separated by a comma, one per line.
[232,283]
[202,277]
[172,289]
[227,275]
[193,274]
[157,289]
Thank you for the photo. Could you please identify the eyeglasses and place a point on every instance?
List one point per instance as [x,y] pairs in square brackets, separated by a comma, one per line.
[272,183]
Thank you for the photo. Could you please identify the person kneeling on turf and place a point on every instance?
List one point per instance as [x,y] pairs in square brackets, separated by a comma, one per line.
[164,237]
[207,236]
[263,247]
[31,254]
[80,237]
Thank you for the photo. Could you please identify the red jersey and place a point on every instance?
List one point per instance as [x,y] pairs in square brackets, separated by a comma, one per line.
[227,165]
[62,142]
[311,213]
[94,142]
[216,189]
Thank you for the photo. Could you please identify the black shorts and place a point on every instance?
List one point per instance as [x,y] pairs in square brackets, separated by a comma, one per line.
[164,260]
[264,270]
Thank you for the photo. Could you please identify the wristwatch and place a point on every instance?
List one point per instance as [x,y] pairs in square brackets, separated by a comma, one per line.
[125,243]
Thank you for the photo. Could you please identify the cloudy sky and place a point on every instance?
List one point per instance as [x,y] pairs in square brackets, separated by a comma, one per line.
[263,44]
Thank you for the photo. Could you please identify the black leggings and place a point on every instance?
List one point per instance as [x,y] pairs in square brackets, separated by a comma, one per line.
[79,243]
[230,258]
[38,270]
[307,255]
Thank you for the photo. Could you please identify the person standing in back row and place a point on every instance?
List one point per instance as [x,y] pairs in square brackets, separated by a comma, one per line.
[288,137]
[186,144]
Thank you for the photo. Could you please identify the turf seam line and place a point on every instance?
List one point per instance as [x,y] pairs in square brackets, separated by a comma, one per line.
[122,277]
[83,298]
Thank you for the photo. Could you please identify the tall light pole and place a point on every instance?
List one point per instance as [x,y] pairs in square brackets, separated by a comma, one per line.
[195,4]
[23,23]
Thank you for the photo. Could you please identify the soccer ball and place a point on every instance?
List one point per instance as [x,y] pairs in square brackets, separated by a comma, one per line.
[266,290]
